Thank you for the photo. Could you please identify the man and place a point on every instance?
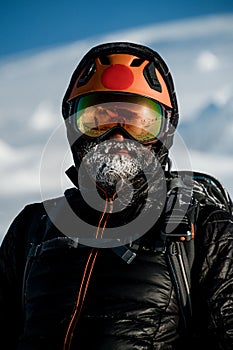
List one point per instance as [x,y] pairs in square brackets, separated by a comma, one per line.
[135,256]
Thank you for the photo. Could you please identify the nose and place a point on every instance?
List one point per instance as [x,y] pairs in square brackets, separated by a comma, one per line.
[117,135]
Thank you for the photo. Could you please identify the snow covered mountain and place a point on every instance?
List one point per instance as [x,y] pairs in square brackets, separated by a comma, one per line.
[212,130]
[33,149]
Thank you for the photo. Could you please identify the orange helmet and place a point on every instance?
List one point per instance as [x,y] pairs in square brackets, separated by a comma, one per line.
[126,68]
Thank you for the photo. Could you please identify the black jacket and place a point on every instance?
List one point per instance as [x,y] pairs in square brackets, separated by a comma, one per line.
[46,300]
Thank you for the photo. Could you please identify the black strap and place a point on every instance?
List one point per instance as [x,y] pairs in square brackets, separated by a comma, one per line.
[35,232]
[180,214]
[179,269]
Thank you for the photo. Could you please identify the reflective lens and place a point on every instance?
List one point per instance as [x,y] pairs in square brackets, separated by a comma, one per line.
[140,117]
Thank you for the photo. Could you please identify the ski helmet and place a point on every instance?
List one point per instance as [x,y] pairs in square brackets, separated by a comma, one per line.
[124,68]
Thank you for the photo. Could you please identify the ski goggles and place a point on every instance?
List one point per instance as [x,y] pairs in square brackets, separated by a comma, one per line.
[142,118]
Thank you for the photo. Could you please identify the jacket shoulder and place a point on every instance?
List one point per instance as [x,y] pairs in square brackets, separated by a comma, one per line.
[27,227]
[206,189]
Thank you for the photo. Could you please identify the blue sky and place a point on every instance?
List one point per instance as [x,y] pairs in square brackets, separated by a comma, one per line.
[28,25]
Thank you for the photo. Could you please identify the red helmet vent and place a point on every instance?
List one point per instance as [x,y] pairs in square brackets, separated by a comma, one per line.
[117,77]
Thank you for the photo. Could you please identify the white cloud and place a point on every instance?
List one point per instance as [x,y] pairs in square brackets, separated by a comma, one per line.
[43,117]
[207,61]
[223,95]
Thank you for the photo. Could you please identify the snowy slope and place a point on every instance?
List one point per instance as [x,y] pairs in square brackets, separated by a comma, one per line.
[212,130]
[199,53]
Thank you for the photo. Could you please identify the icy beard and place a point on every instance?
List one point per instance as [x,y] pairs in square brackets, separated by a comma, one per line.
[115,165]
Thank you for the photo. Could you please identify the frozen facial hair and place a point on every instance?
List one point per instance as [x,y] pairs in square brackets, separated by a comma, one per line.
[113,164]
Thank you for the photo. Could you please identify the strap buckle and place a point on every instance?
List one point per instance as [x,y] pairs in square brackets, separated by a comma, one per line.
[125,253]
[177,226]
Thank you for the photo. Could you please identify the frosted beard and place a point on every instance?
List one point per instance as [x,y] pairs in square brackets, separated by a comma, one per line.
[125,170]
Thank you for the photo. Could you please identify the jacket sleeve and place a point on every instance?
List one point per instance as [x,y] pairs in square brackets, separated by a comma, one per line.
[213,295]
[12,260]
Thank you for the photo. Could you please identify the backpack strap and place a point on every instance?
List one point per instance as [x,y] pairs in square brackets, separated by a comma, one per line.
[188,192]
[178,231]
[37,231]
[34,237]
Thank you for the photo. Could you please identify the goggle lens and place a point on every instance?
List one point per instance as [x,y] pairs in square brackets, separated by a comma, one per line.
[140,117]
